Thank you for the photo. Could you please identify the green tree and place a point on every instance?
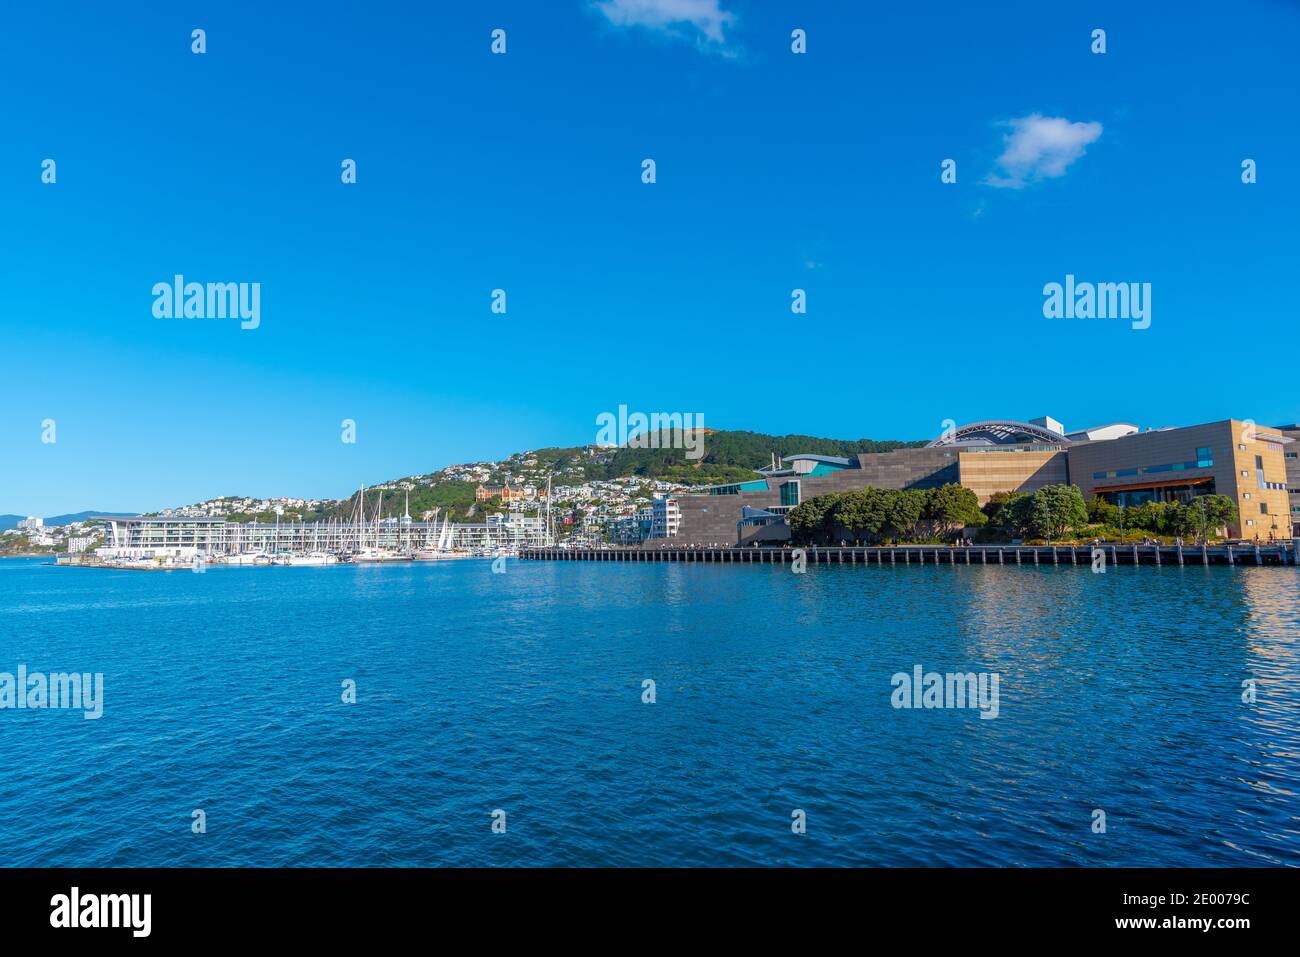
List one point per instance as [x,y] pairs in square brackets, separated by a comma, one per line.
[1102,512]
[1056,509]
[1008,511]
[833,527]
[807,520]
[1144,516]
[1213,513]
[861,512]
[903,511]
[951,507]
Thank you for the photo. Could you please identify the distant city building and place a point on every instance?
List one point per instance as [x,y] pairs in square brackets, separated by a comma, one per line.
[31,523]
[665,518]
[507,494]
[636,528]
[517,529]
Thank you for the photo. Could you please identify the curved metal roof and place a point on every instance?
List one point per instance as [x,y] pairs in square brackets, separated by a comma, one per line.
[997,432]
[808,456]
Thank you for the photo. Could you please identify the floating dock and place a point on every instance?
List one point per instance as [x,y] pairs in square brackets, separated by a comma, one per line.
[1274,554]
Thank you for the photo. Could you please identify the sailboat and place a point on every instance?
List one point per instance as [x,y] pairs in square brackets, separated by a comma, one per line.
[307,558]
[247,558]
[443,550]
[377,552]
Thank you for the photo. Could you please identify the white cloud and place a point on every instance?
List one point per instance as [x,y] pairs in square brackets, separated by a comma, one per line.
[669,16]
[1041,147]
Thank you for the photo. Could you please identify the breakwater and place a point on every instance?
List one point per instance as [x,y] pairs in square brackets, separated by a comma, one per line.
[1274,554]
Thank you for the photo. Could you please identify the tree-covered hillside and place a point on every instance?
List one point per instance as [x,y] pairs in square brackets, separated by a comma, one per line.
[728,456]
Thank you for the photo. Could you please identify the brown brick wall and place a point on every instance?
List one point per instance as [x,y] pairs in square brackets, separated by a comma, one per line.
[1023,471]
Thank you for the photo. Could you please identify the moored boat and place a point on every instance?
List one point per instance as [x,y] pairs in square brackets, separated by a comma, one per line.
[306,558]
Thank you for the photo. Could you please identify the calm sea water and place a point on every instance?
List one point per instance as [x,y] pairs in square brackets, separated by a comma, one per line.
[1120,692]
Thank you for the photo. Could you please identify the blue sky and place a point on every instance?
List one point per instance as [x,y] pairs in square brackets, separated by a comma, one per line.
[774,171]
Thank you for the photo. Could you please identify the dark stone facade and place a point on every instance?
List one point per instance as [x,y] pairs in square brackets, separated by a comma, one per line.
[711,519]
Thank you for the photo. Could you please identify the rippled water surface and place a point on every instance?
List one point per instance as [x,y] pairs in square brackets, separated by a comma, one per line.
[1120,692]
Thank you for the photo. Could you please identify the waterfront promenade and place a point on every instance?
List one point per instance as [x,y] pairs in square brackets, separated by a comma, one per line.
[1274,554]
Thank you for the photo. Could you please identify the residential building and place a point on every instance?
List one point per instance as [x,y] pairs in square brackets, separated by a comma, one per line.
[665,518]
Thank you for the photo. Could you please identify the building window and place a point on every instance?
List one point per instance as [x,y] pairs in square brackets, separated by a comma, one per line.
[1259,461]
[1204,458]
[1263,508]
[1245,474]
[1163,493]
[1250,521]
[790,493]
[1246,495]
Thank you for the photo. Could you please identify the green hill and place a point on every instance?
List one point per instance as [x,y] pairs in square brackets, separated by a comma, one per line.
[742,452]
[729,456]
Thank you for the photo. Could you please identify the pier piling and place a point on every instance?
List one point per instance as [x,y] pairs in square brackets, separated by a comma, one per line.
[1280,554]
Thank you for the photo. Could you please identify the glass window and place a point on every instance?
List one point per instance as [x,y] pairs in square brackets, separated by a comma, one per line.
[1259,461]
[1263,508]
[789,493]
[1204,458]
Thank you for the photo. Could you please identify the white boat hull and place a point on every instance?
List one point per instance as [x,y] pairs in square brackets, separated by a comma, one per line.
[314,558]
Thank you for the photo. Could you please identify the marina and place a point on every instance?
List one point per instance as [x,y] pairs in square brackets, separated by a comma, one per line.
[168,542]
